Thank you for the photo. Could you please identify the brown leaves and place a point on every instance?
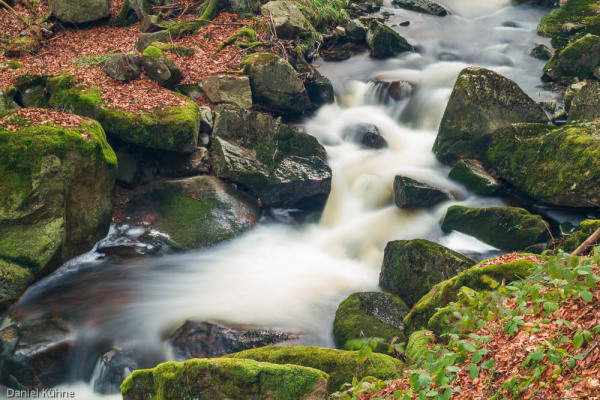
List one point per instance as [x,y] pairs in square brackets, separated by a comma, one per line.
[26,117]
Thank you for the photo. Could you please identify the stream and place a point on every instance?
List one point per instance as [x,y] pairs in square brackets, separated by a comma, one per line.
[290,276]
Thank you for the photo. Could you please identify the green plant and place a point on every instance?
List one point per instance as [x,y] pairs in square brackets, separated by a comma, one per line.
[322,13]
[92,61]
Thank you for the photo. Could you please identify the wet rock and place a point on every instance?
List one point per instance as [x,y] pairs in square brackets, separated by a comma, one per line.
[279,165]
[472,174]
[155,23]
[542,52]
[412,267]
[481,102]
[409,193]
[586,103]
[161,68]
[424,6]
[288,19]
[336,54]
[396,90]
[122,67]
[356,31]
[384,42]
[146,39]
[369,314]
[578,60]
[320,90]
[570,22]
[177,165]
[196,339]
[112,369]
[78,12]
[367,135]
[228,90]
[506,228]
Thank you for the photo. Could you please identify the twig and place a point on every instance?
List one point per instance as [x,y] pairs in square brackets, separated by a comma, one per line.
[23,20]
[590,241]
[587,353]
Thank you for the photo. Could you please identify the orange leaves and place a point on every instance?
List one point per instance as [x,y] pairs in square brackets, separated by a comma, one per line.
[38,117]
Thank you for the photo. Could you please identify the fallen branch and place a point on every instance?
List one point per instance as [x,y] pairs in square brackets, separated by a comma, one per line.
[589,242]
[12,10]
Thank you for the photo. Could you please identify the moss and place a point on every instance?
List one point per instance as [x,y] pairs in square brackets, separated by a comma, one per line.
[244,33]
[583,231]
[446,292]
[154,53]
[341,365]
[581,14]
[471,174]
[126,16]
[417,345]
[14,279]
[174,49]
[222,379]
[185,28]
[578,60]
[22,45]
[13,64]
[260,58]
[385,42]
[210,9]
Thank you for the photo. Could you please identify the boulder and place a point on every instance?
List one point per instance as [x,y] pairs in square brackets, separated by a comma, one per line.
[572,21]
[367,315]
[225,379]
[412,267]
[228,90]
[134,170]
[122,67]
[79,11]
[194,212]
[384,42]
[281,166]
[506,228]
[356,31]
[542,52]
[146,39]
[275,84]
[366,135]
[243,6]
[423,6]
[340,365]
[472,174]
[29,91]
[143,8]
[174,165]
[14,280]
[409,193]
[585,105]
[161,68]
[320,90]
[197,339]
[289,21]
[578,60]
[155,23]
[481,102]
[22,45]
[570,93]
[580,234]
[558,167]
[111,370]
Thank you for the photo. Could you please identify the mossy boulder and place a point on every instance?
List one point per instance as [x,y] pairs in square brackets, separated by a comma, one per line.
[289,21]
[586,103]
[143,8]
[79,11]
[155,23]
[418,344]
[14,279]
[340,365]
[558,167]
[172,128]
[472,174]
[573,20]
[320,89]
[56,184]
[29,91]
[275,83]
[229,90]
[476,278]
[579,235]
[369,314]
[194,212]
[274,162]
[22,45]
[384,42]
[578,60]
[481,102]
[146,39]
[507,228]
[423,6]
[541,52]
[122,67]
[225,379]
[409,193]
[570,93]
[160,68]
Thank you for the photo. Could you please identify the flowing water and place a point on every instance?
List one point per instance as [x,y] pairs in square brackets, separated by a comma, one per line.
[291,276]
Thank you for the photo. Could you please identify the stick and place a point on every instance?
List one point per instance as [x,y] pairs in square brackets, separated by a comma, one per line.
[2,3]
[590,241]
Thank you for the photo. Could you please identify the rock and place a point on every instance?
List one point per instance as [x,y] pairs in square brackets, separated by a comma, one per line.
[412,267]
[225,379]
[572,21]
[472,174]
[79,11]
[384,42]
[476,278]
[341,366]
[56,185]
[356,31]
[228,90]
[482,101]
[367,315]
[395,90]
[579,235]
[155,23]
[206,119]
[409,193]
[36,354]
[171,129]
[289,21]
[578,60]
[424,6]
[417,345]
[161,68]
[367,135]
[14,280]
[336,54]
[174,49]
[21,46]
[320,90]
[586,103]
[275,84]
[111,370]
[7,102]
[506,228]
[122,67]
[558,167]
[133,171]
[281,166]
[146,39]
[243,6]
[542,52]
[143,8]
[549,105]
[570,93]
[173,165]
[559,117]
[196,339]
[30,91]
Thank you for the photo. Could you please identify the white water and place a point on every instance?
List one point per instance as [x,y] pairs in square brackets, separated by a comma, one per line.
[292,277]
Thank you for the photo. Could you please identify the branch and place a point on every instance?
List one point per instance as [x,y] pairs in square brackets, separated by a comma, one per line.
[23,20]
[589,242]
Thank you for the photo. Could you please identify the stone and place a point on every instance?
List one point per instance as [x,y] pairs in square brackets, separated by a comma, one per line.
[472,174]
[173,165]
[14,280]
[579,60]
[30,91]
[243,6]
[395,90]
[336,54]
[585,106]
[21,46]
[570,22]
[161,68]
[320,89]
[356,31]
[409,193]
[570,93]
[384,42]
[111,370]
[412,267]
[146,39]
[506,228]
[541,52]
[122,67]
[155,23]
[481,102]
[228,90]
[79,11]
[580,234]
[424,6]
[132,171]
[143,8]
[289,21]
[366,135]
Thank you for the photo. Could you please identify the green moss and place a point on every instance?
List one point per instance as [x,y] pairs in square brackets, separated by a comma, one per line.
[222,379]
[417,345]
[341,365]
[186,28]
[126,16]
[14,279]
[174,49]
[21,45]
[13,64]
[210,9]
[582,14]
[471,174]
[578,60]
[446,292]
[583,231]
[154,53]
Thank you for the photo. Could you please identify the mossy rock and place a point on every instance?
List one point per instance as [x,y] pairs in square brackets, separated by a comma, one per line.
[384,42]
[558,167]
[472,174]
[14,279]
[506,228]
[475,278]
[341,365]
[194,212]
[422,6]
[22,45]
[481,102]
[29,91]
[370,314]
[172,129]
[412,267]
[578,60]
[586,104]
[225,379]
[80,11]
[161,68]
[583,231]
[174,49]
[288,19]
[573,20]
[409,193]
[418,344]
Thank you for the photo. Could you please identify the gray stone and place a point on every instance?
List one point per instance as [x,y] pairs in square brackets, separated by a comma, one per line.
[178,165]
[288,19]
[146,39]
[122,67]
[367,135]
[472,174]
[542,52]
[228,90]
[356,31]
[206,120]
[409,193]
[384,42]
[586,103]
[571,92]
[154,23]
[424,6]
[161,68]
[133,170]
[79,11]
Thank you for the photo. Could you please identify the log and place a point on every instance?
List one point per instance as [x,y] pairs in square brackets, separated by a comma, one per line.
[589,242]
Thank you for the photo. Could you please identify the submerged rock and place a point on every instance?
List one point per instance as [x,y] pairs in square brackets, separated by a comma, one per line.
[122,67]
[80,11]
[472,174]
[161,68]
[578,60]
[585,105]
[424,6]
[409,193]
[384,42]
[111,370]
[367,135]
[289,21]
